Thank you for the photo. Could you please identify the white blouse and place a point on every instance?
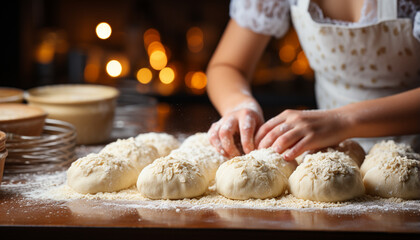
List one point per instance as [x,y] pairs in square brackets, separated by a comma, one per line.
[271,17]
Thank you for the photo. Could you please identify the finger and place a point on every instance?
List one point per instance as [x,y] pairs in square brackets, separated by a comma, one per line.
[247,129]
[214,137]
[266,128]
[299,148]
[226,132]
[273,135]
[287,140]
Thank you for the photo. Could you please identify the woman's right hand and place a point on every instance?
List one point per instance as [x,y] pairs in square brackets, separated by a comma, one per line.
[243,122]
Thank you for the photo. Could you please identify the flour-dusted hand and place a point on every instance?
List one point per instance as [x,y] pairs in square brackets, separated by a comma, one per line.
[244,121]
[292,132]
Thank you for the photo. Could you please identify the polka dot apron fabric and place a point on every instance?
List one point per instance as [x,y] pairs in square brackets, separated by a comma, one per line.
[354,64]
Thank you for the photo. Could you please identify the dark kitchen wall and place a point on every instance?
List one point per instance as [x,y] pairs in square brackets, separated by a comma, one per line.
[52,42]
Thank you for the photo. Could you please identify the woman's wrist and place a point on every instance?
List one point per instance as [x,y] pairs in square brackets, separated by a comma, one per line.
[241,102]
[347,121]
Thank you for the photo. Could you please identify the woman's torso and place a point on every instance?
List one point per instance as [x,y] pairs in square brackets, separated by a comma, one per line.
[354,63]
[356,53]
[343,10]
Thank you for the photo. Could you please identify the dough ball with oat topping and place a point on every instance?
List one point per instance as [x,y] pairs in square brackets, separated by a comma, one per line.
[163,142]
[205,157]
[349,147]
[200,139]
[172,178]
[385,149]
[101,172]
[259,174]
[392,170]
[353,150]
[328,177]
[140,154]
[197,148]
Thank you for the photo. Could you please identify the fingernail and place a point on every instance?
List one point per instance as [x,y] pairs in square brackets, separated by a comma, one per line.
[277,149]
[287,154]
[251,147]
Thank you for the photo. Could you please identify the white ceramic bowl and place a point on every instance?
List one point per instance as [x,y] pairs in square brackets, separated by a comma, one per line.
[90,108]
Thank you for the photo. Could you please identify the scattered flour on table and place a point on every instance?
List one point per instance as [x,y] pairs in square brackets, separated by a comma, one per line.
[52,186]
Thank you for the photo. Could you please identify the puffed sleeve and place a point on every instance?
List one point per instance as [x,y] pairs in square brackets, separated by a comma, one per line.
[416,28]
[268,17]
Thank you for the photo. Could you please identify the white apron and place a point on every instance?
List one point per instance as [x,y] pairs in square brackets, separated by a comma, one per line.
[354,64]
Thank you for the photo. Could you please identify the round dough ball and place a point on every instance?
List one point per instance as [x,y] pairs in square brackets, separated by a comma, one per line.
[269,155]
[197,140]
[138,153]
[197,148]
[172,178]
[299,159]
[390,146]
[353,149]
[163,142]
[397,176]
[385,150]
[349,147]
[101,173]
[326,177]
[206,157]
[251,176]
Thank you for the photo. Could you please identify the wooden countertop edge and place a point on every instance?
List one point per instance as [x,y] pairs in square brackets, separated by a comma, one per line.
[147,232]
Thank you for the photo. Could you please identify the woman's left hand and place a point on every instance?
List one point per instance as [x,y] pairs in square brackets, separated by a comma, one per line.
[293,132]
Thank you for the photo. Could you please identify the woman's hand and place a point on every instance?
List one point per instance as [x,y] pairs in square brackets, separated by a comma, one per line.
[243,122]
[229,74]
[293,132]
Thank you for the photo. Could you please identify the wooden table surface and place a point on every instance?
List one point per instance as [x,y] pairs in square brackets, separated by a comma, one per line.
[24,217]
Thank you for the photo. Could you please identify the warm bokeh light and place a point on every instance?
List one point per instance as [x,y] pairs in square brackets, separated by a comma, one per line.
[45,52]
[287,53]
[198,80]
[163,108]
[308,74]
[155,46]
[292,39]
[158,60]
[167,75]
[302,56]
[150,35]
[165,89]
[144,75]
[91,72]
[187,79]
[103,30]
[299,67]
[113,68]
[195,39]
[163,111]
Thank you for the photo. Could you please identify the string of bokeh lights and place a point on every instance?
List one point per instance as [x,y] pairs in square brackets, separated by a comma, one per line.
[159,72]
[159,56]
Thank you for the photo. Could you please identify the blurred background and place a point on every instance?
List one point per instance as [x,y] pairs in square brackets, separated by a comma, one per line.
[152,48]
